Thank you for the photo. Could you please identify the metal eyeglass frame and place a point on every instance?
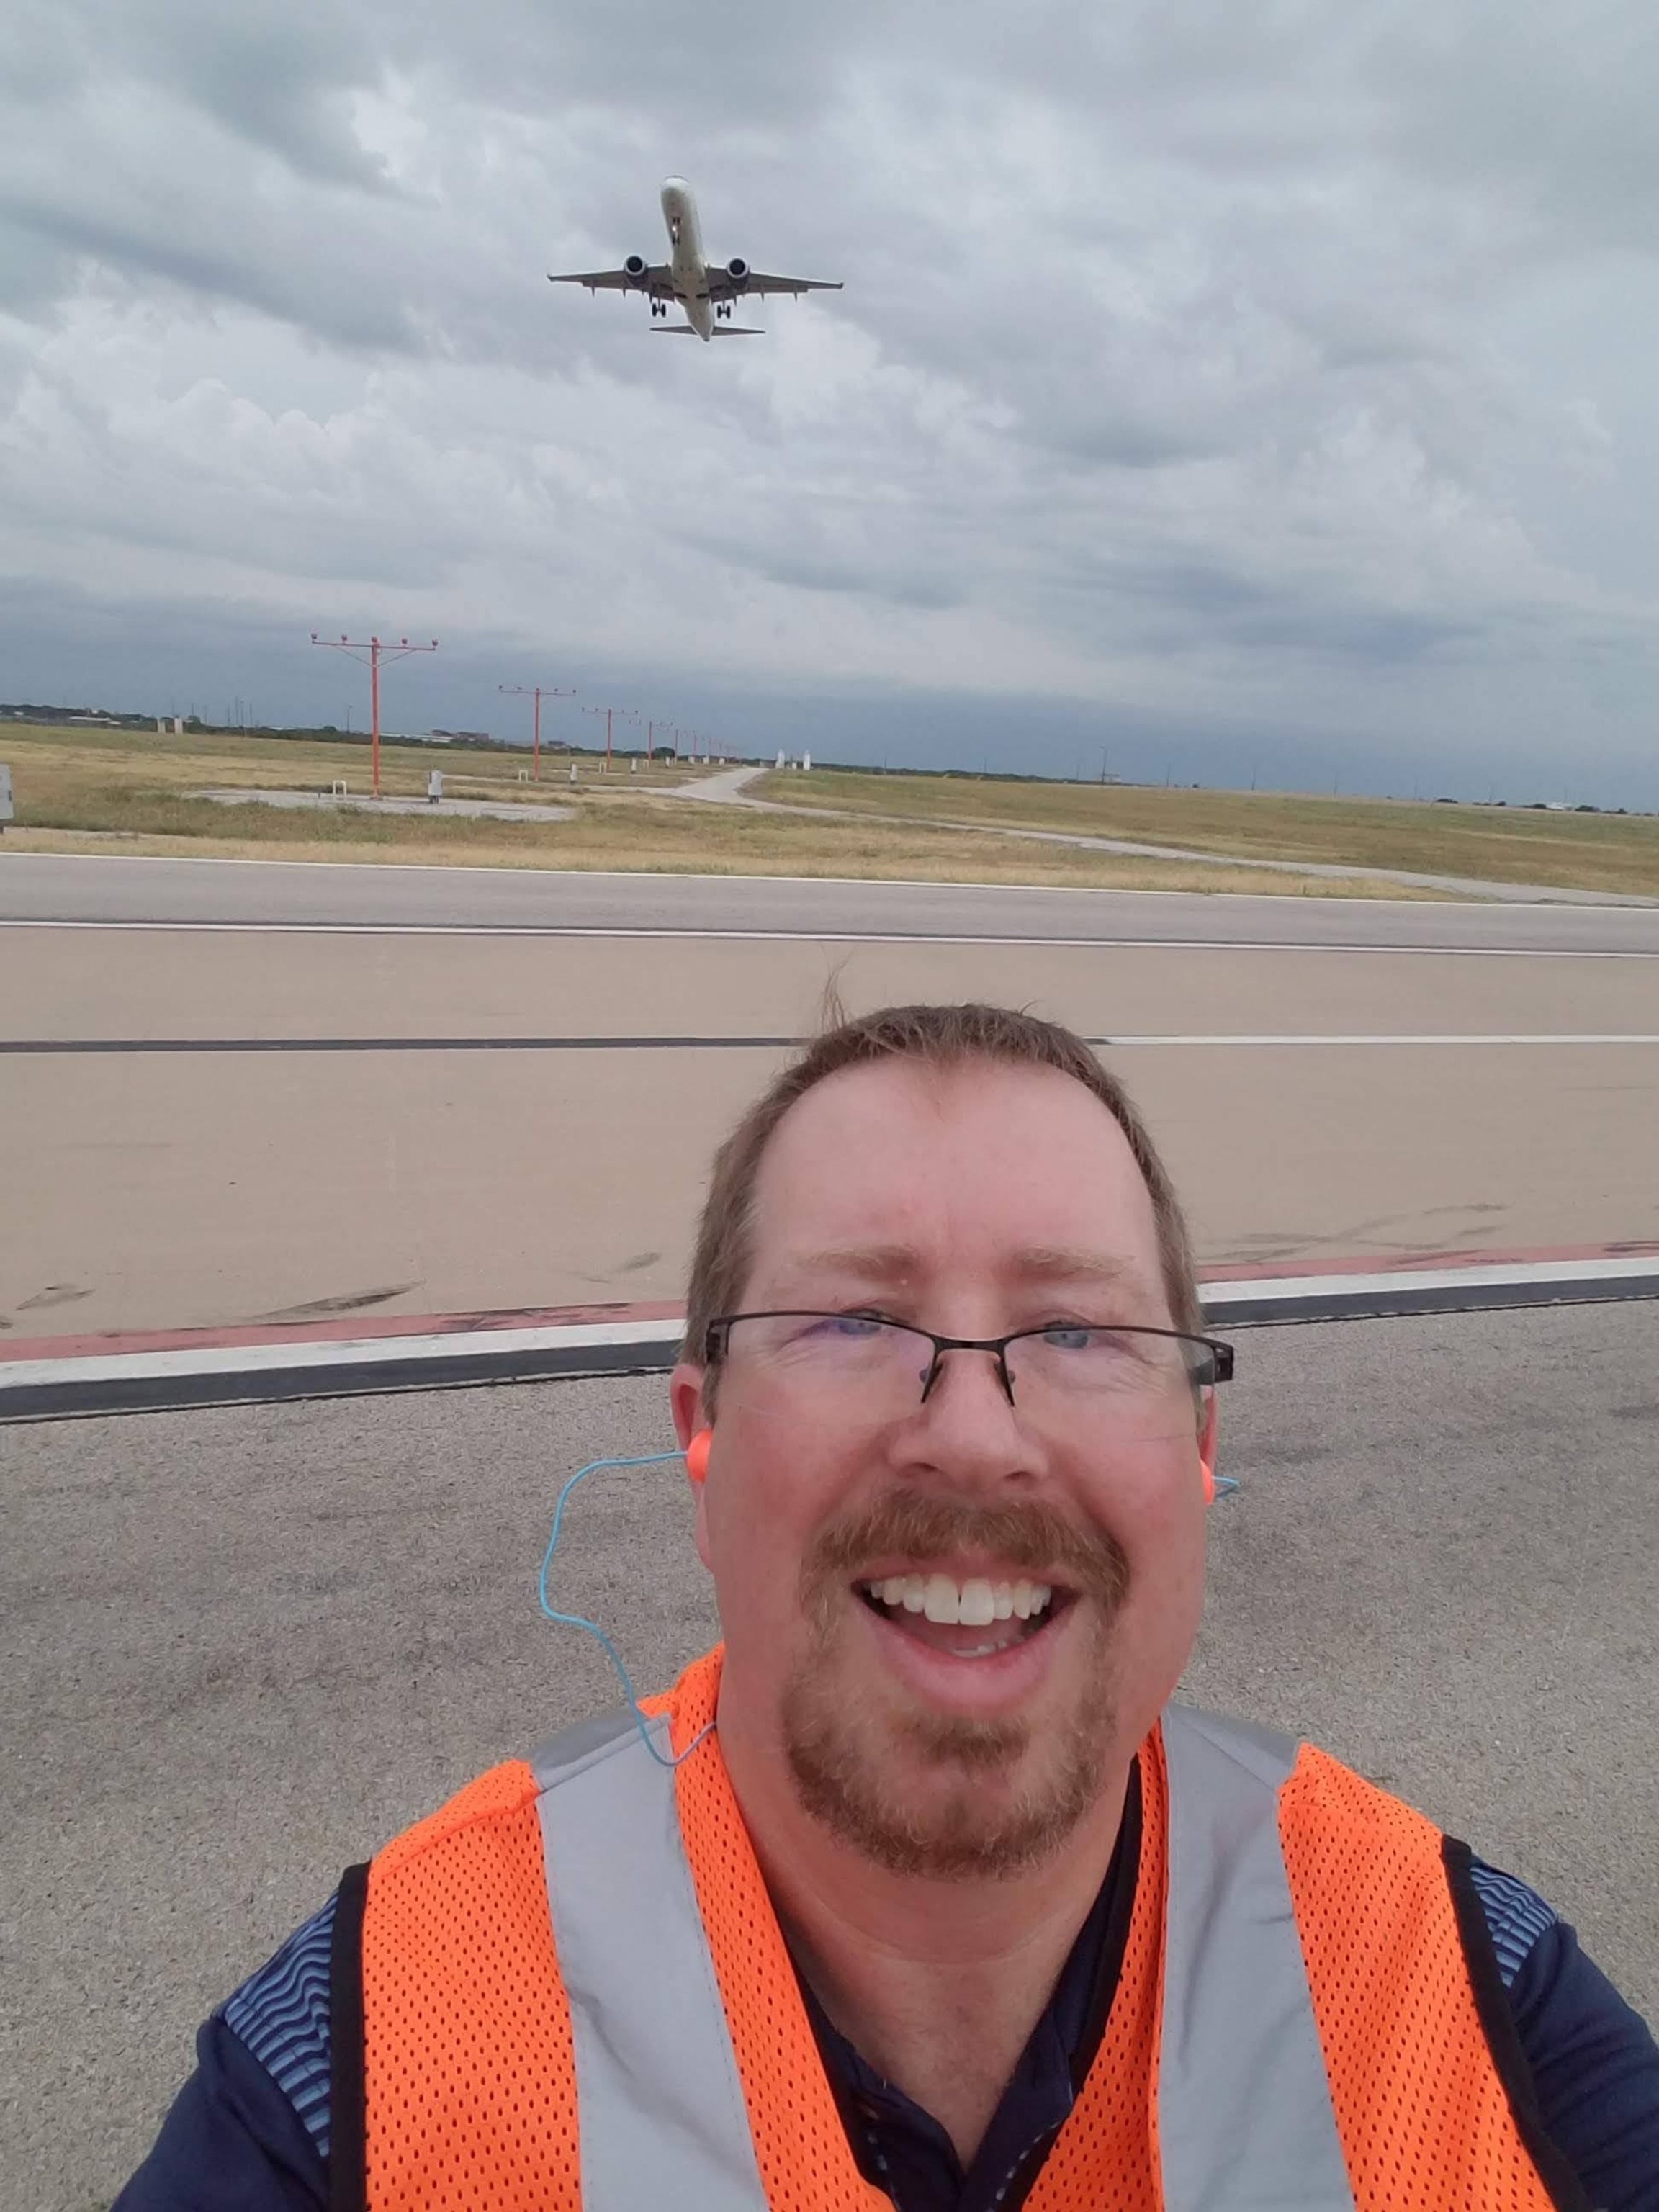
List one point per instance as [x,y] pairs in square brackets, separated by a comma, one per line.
[717,1339]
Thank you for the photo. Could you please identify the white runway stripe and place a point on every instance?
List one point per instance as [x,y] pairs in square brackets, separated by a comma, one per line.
[336,1353]
[138,1048]
[835,937]
[1404,1282]
[1562,1037]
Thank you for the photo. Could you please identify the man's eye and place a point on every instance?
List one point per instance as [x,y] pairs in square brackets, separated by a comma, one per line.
[846,1326]
[1069,1336]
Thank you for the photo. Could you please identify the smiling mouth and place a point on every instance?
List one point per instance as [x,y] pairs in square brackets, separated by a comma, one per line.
[976,1619]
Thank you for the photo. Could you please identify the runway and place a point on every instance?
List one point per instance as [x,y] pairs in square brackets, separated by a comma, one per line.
[301,895]
[417,1091]
[247,1646]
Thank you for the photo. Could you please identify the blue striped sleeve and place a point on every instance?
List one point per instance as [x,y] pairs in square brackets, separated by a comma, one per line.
[281,2014]
[1516,1915]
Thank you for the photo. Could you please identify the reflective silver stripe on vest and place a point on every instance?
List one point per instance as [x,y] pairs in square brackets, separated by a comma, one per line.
[1245,2117]
[660,2117]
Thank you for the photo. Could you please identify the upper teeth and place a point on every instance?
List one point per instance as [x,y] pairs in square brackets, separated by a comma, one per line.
[975,1603]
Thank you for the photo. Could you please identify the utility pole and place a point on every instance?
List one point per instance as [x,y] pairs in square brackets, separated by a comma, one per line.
[621,713]
[650,728]
[538,692]
[377,652]
[1103,763]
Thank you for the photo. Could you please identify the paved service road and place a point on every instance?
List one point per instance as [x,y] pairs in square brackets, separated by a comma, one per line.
[244,1647]
[53,887]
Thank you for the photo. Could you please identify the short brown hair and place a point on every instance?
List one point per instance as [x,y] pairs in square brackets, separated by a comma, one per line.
[933,1036]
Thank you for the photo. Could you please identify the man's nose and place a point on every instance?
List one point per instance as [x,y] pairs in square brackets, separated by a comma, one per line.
[967,1428]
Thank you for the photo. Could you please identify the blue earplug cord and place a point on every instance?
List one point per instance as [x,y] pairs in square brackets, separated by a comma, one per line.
[1225,1484]
[580,1620]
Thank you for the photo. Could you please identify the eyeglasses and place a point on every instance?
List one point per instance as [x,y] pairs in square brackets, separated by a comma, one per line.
[1138,1381]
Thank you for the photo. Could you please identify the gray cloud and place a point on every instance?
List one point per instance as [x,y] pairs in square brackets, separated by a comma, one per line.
[1203,368]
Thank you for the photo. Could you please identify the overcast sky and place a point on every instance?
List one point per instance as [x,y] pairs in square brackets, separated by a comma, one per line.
[1251,389]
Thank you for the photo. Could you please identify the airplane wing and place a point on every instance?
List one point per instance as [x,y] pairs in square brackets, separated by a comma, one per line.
[657,280]
[723,285]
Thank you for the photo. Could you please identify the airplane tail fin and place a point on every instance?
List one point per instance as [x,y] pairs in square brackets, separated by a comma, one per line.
[738,331]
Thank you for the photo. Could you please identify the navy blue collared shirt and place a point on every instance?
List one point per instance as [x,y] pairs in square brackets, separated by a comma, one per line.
[905,2151]
[249,2131]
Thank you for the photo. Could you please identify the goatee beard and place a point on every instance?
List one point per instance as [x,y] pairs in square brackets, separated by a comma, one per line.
[925,1794]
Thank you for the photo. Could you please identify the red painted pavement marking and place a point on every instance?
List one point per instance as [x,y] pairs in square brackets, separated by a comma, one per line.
[362,1328]
[359,1328]
[1405,1263]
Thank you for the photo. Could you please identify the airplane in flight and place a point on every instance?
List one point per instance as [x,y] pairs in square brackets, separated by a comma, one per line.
[706,294]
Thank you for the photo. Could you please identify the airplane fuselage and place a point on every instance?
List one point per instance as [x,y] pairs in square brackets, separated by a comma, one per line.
[685,257]
[707,295]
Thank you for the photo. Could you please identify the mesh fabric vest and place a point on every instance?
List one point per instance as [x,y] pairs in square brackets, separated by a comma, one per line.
[469,2072]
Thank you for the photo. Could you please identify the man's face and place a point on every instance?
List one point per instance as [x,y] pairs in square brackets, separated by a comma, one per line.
[971,1202]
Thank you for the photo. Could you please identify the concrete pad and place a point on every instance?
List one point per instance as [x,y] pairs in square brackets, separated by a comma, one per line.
[161,1190]
[139,984]
[490,810]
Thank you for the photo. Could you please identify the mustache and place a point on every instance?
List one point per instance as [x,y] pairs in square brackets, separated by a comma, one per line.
[1088,1561]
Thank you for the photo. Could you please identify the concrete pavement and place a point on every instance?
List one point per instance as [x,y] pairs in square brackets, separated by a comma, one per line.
[304,1167]
[73,888]
[315,802]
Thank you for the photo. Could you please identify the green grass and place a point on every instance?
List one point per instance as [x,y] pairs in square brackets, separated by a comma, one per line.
[1580,852]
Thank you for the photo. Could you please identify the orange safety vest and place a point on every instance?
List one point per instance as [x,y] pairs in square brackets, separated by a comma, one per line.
[575,1993]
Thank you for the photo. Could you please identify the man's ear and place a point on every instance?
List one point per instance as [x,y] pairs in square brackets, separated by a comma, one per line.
[686,1401]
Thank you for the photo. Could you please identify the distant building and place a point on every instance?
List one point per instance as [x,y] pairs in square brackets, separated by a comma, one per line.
[28,711]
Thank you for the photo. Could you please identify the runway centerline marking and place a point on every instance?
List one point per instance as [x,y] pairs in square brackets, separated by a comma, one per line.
[48,1047]
[666,934]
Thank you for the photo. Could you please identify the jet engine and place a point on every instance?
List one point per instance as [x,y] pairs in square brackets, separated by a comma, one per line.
[636,266]
[738,269]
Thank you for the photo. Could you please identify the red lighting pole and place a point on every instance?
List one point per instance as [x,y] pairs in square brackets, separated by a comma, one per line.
[377,652]
[621,713]
[538,692]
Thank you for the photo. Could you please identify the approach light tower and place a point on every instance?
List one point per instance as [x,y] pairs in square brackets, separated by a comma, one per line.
[376,654]
[538,692]
[622,714]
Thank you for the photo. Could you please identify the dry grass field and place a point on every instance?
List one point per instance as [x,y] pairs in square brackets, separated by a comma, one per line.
[91,790]
[1513,845]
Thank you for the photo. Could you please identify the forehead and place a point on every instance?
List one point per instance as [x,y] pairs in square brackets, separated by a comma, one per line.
[966,1165]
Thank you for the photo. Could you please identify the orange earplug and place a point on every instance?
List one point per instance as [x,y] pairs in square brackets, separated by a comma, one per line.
[697,1455]
[1203,1468]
